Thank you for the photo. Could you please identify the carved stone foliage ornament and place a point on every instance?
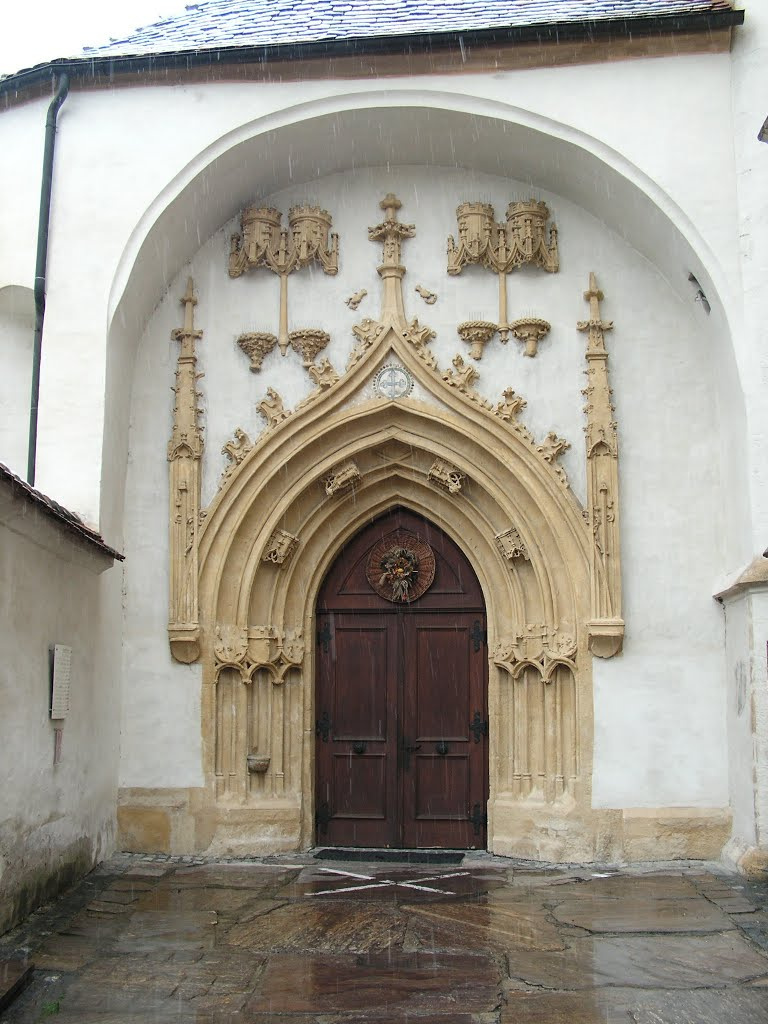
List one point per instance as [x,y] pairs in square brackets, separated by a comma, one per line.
[446,475]
[476,334]
[354,300]
[263,242]
[401,567]
[185,450]
[501,248]
[272,409]
[551,448]
[429,297]
[280,547]
[606,628]
[236,450]
[256,346]
[463,377]
[309,342]
[529,330]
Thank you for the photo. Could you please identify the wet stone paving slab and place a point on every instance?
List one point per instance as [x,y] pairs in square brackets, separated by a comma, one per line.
[488,941]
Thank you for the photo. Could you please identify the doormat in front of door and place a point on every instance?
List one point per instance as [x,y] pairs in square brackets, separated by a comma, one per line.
[389,856]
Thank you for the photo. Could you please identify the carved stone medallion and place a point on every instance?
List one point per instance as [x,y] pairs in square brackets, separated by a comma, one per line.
[393,381]
[401,567]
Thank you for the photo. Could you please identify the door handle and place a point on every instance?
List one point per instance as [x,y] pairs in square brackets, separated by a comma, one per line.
[408,749]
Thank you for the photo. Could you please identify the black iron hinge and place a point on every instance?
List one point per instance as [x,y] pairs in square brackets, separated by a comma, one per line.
[323,726]
[478,727]
[478,636]
[324,636]
[478,818]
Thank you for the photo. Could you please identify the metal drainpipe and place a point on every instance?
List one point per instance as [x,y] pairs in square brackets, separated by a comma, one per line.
[40,267]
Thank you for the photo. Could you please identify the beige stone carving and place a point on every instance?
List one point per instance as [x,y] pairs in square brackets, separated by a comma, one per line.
[476,334]
[529,330]
[236,450]
[462,377]
[354,300]
[429,297]
[343,478]
[550,449]
[185,450]
[230,644]
[511,545]
[367,332]
[446,475]
[256,346]
[522,239]
[606,627]
[418,336]
[541,732]
[280,547]
[272,409]
[323,375]
[265,243]
[250,663]
[309,342]
[545,745]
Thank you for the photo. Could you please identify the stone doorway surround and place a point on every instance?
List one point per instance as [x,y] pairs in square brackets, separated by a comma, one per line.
[246,574]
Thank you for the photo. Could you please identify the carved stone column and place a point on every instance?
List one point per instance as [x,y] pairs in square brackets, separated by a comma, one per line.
[606,626]
[185,450]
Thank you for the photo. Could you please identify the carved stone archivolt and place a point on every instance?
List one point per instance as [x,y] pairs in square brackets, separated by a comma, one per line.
[606,628]
[185,450]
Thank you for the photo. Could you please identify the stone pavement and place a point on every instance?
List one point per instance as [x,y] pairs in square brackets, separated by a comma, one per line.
[324,942]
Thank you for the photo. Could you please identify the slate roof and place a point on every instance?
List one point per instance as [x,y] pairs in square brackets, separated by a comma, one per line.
[66,519]
[232,23]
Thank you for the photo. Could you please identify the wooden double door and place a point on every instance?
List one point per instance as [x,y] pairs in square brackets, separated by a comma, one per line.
[401,726]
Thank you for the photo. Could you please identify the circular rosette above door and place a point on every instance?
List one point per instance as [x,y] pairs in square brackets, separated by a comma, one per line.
[401,567]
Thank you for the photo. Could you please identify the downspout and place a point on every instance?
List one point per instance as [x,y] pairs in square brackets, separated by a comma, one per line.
[40,267]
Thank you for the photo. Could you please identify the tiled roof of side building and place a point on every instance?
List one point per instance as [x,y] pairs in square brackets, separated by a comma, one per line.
[225,23]
[67,520]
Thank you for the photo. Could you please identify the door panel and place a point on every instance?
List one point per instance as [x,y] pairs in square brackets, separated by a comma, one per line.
[357,753]
[443,681]
[398,687]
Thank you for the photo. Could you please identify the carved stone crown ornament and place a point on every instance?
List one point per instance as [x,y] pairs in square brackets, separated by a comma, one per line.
[185,450]
[501,248]
[606,627]
[264,242]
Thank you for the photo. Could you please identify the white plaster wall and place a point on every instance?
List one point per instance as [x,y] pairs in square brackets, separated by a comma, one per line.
[119,150]
[660,707]
[750,108]
[54,818]
[17,324]
[741,716]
